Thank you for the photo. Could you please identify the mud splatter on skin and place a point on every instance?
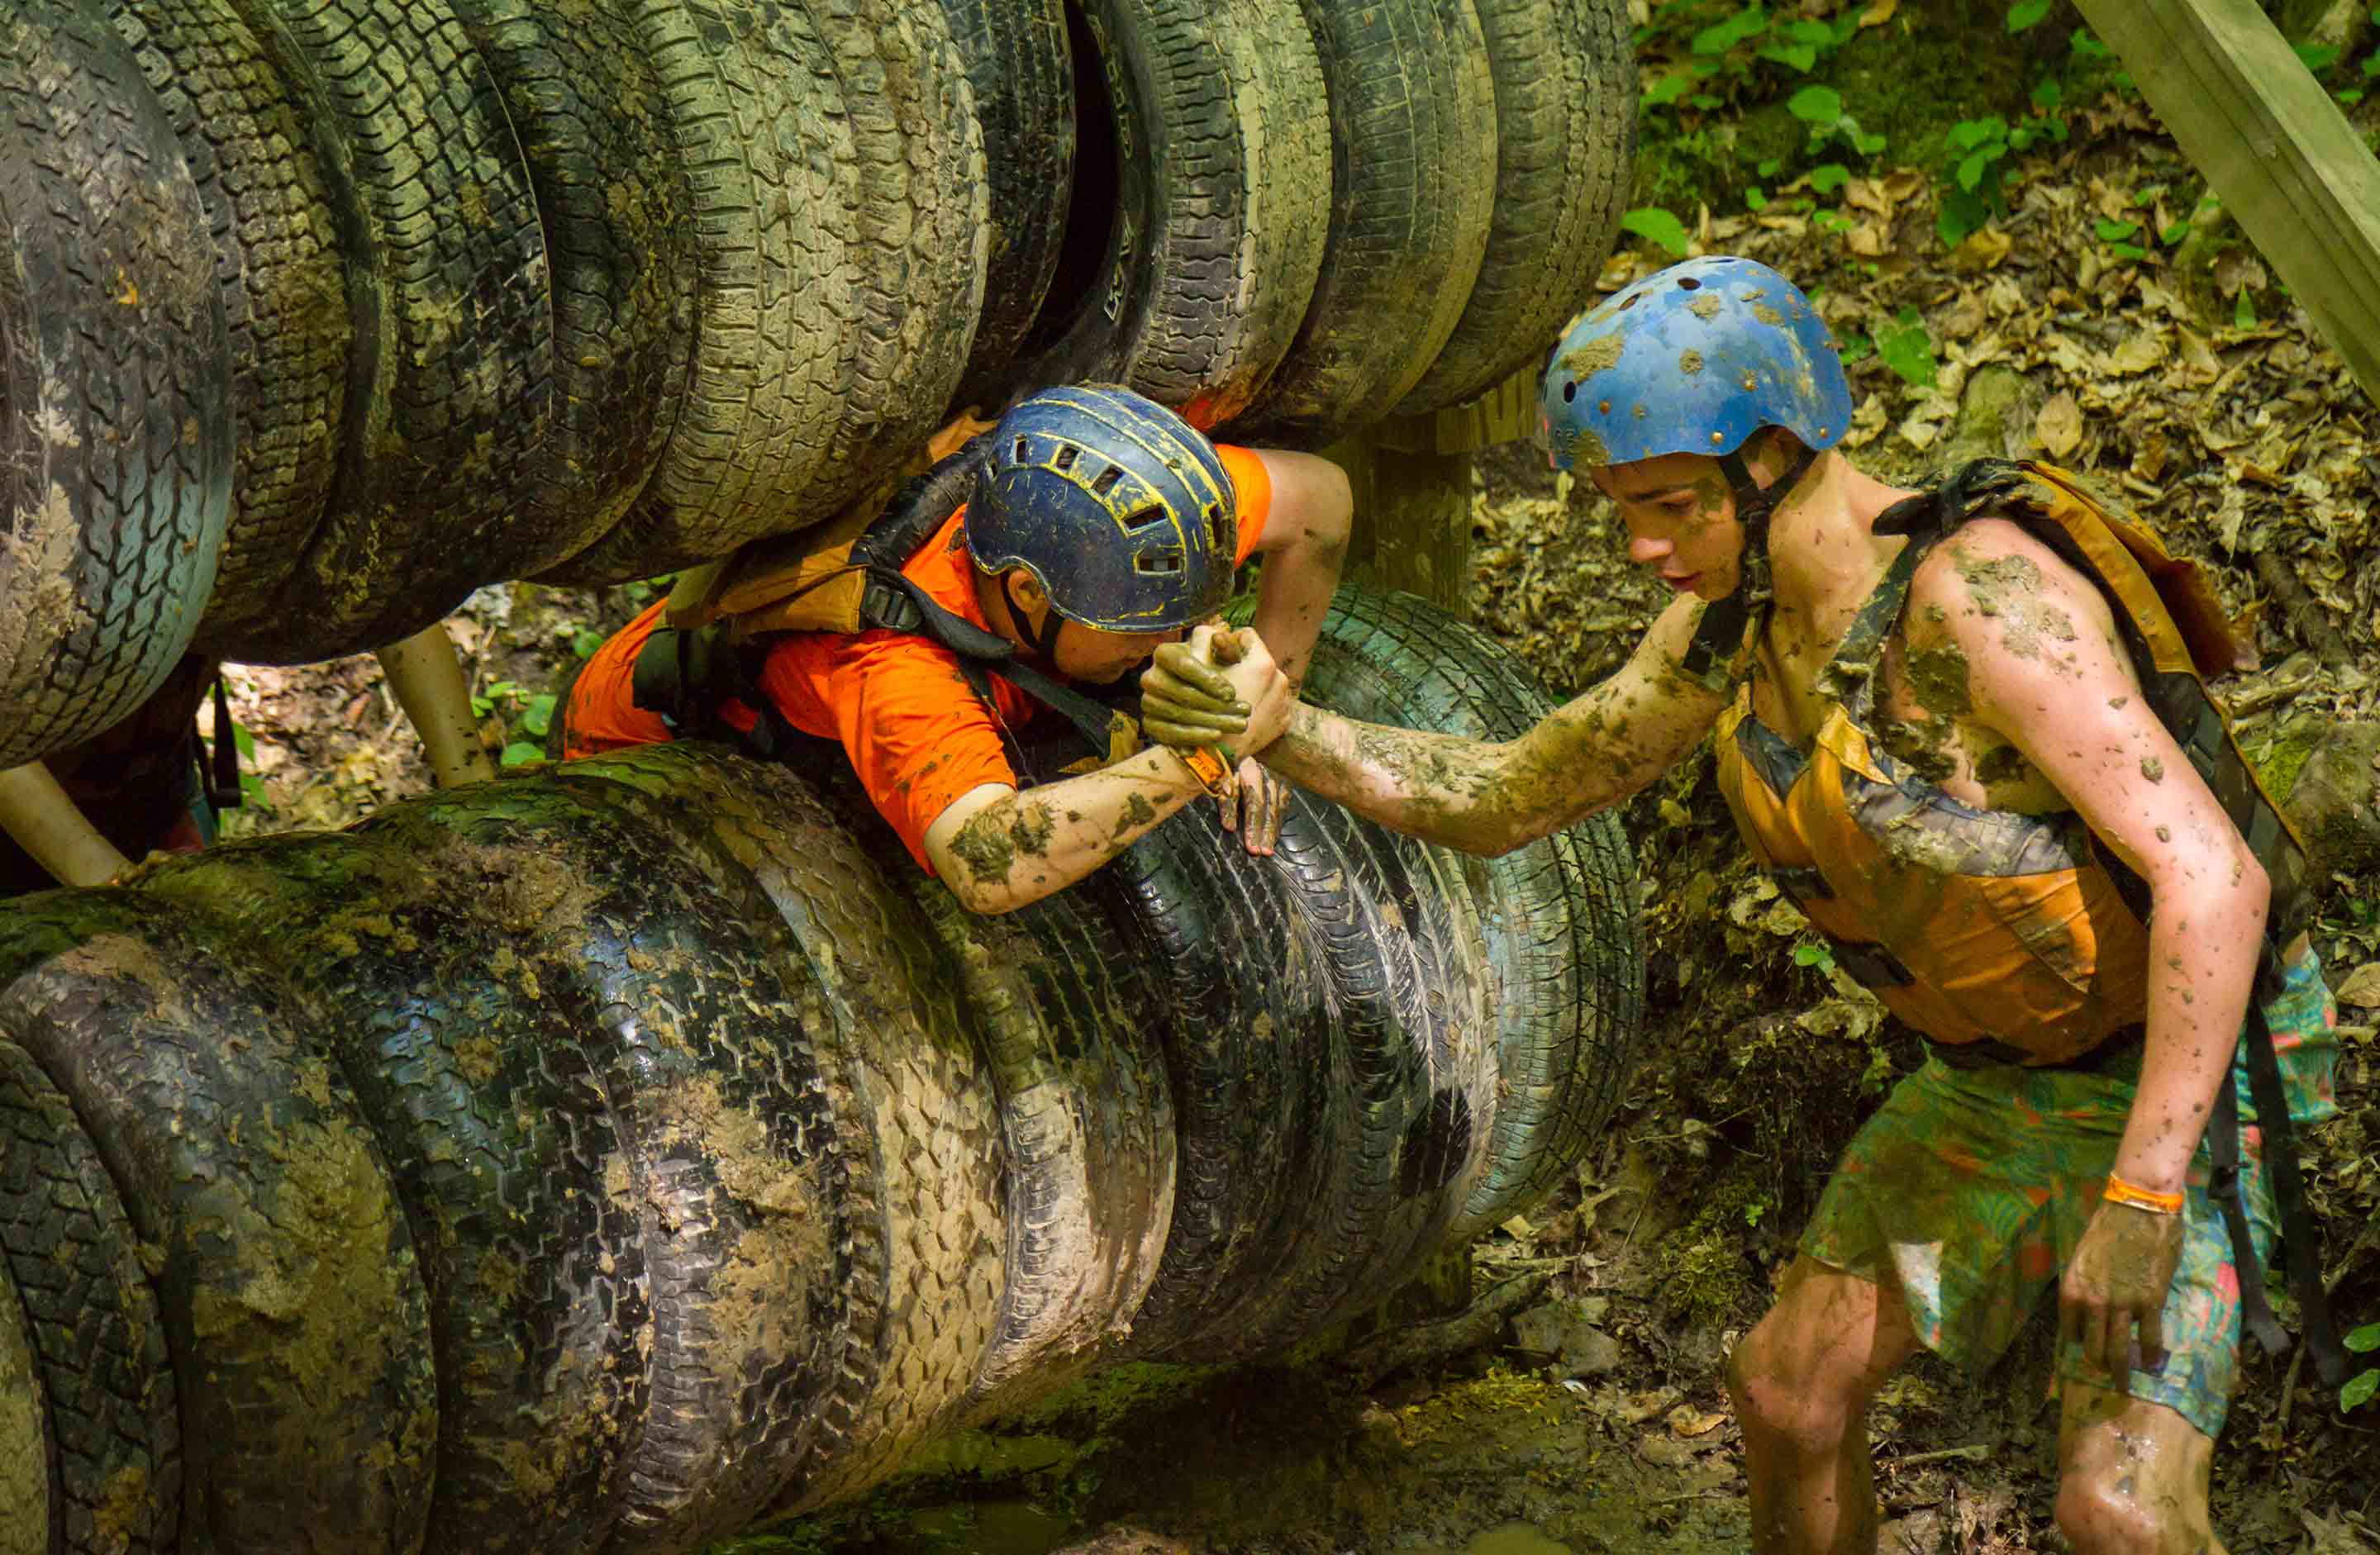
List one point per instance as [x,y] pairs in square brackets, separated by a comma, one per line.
[2001,764]
[1937,678]
[1138,811]
[2009,588]
[989,850]
[2152,769]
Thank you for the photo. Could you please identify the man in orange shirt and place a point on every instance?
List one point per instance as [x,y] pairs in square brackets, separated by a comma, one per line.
[1101,526]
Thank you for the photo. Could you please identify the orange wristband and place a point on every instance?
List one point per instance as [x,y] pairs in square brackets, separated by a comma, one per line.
[1210,770]
[2121,1192]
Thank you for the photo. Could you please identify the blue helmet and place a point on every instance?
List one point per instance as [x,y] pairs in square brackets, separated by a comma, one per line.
[1121,509]
[1693,359]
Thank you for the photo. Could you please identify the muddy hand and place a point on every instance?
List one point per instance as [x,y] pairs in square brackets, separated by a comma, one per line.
[1186,700]
[1262,801]
[2116,1279]
[1262,688]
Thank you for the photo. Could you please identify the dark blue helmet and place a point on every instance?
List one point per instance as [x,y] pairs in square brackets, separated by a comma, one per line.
[1120,508]
[1693,359]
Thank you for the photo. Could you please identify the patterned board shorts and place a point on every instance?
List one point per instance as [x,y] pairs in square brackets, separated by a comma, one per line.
[1969,1189]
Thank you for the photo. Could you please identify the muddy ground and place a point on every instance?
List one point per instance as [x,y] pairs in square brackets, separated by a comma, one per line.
[1597,1421]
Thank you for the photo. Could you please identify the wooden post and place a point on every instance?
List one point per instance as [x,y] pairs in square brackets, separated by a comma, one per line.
[2273,146]
[1412,477]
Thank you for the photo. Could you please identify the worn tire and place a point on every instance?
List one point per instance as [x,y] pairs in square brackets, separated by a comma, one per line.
[589,108]
[920,241]
[278,270]
[292,1304]
[1562,947]
[1023,70]
[1565,80]
[450,389]
[1413,127]
[757,119]
[29,1496]
[501,1146]
[115,430]
[1196,229]
[111,1460]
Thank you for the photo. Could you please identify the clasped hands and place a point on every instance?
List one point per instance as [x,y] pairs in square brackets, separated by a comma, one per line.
[1220,688]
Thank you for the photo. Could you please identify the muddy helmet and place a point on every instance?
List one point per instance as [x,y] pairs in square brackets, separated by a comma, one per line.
[1120,508]
[1693,359]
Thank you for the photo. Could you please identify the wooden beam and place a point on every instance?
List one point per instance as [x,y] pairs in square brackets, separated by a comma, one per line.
[2273,146]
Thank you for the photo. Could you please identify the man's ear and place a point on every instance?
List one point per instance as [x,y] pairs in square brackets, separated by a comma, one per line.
[1027,589]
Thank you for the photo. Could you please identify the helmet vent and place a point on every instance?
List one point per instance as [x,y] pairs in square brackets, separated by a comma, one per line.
[1143,519]
[1022,450]
[1067,454]
[1158,564]
[1215,528]
[1688,284]
[1570,391]
[1106,480]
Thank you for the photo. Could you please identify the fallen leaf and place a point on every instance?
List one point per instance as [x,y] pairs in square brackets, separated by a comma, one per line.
[1518,1228]
[1880,13]
[1980,250]
[2361,987]
[1686,1420]
[2139,354]
[2198,358]
[1868,195]
[2058,427]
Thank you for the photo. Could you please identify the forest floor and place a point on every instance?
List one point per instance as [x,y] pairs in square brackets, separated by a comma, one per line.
[1599,1423]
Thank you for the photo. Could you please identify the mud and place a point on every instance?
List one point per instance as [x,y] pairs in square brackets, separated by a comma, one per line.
[1937,680]
[24,1475]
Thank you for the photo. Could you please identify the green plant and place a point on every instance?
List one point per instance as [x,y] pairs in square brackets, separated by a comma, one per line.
[1810,952]
[510,693]
[1821,108]
[1725,48]
[2026,13]
[252,792]
[585,641]
[1657,225]
[2358,1390]
[1908,350]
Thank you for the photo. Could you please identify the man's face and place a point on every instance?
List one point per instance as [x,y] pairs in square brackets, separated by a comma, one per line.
[1104,658]
[1680,519]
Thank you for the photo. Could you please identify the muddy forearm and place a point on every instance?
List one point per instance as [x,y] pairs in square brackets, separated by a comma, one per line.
[1298,584]
[1441,788]
[2199,987]
[1024,846]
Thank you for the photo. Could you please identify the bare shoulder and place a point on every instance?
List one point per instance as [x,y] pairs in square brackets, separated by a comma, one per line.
[1997,593]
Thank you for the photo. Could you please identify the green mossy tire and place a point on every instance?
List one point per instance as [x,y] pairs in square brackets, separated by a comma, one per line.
[450,389]
[1023,70]
[762,138]
[292,1303]
[1200,192]
[1413,129]
[102,1388]
[1566,78]
[29,1489]
[116,439]
[278,270]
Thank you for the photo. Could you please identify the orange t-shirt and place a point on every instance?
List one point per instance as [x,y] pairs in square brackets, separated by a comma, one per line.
[917,733]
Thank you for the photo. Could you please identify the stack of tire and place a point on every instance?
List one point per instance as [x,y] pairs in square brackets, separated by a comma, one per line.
[317,315]
[604,1158]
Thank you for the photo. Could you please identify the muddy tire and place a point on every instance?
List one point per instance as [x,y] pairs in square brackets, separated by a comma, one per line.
[914,1115]
[1199,185]
[1023,72]
[500,1144]
[293,1308]
[589,112]
[1558,918]
[278,270]
[450,389]
[110,1464]
[1413,127]
[29,1489]
[116,431]
[756,119]
[1565,77]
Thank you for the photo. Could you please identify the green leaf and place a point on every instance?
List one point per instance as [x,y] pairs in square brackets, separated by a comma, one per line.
[2366,1338]
[1828,177]
[2115,232]
[2372,67]
[1908,350]
[1968,134]
[2026,13]
[2127,250]
[2359,1391]
[2047,95]
[2174,233]
[2351,96]
[1754,198]
[519,751]
[1666,91]
[243,742]
[1796,56]
[1857,348]
[2318,57]
[1768,169]
[1704,101]
[1868,145]
[482,706]
[1970,171]
[2084,46]
[585,641]
[2243,312]
[1749,23]
[1815,104]
[1657,225]
[537,717]
[1818,35]
[1832,221]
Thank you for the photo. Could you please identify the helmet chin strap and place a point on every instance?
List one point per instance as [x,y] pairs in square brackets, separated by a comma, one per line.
[1044,636]
[1727,624]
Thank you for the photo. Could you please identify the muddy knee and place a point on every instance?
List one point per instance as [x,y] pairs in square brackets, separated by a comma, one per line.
[1783,1387]
[2114,1511]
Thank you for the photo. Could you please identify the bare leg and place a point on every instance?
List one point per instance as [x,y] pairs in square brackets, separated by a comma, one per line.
[2132,1476]
[428,680]
[45,823]
[1802,1381]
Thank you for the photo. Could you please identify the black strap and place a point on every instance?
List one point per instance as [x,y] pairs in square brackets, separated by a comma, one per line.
[222,774]
[1727,625]
[2298,1239]
[2229,1194]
